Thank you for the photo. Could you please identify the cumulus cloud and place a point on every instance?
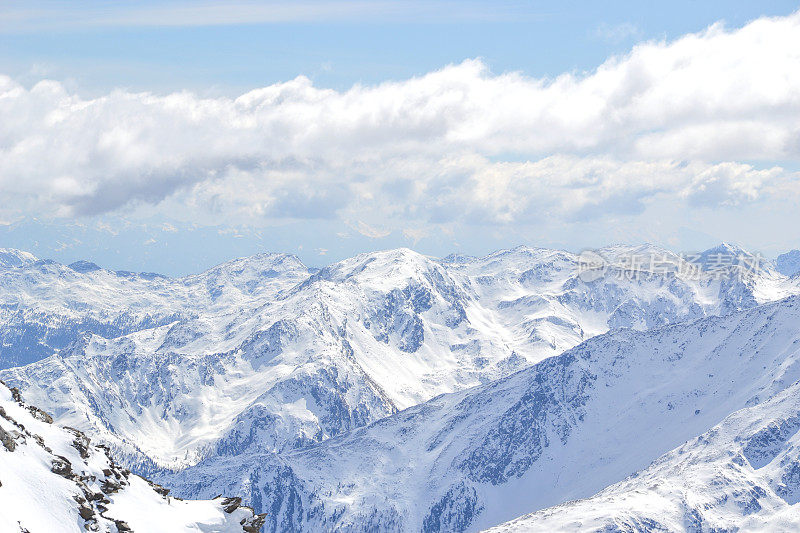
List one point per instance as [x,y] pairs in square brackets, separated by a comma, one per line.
[677,119]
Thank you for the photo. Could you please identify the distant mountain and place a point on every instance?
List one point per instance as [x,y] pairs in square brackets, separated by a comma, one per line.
[261,358]
[54,479]
[10,258]
[46,306]
[558,431]
[788,264]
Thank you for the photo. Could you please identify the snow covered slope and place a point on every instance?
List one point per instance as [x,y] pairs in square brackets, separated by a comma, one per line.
[260,355]
[560,430]
[53,479]
[744,474]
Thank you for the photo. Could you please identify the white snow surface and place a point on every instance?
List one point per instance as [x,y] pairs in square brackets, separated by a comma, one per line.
[741,475]
[35,497]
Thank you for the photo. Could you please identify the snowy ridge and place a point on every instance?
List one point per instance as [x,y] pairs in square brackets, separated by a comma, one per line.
[743,474]
[10,258]
[54,479]
[560,430]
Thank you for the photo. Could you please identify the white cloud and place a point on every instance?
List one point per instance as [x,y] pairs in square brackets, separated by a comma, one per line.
[370,231]
[415,234]
[672,120]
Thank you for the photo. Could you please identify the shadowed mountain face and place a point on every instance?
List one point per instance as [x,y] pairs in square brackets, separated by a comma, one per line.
[743,474]
[788,264]
[255,362]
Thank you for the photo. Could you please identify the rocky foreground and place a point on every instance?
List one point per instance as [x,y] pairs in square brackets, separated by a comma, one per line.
[54,479]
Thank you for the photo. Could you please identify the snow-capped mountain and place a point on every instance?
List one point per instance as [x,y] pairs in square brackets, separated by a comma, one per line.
[560,430]
[741,475]
[54,479]
[46,306]
[262,355]
[788,264]
[15,258]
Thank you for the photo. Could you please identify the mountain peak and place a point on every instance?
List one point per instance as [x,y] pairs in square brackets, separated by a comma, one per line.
[11,257]
[383,265]
[788,264]
[726,248]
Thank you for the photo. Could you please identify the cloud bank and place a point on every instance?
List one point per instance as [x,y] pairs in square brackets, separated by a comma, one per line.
[708,120]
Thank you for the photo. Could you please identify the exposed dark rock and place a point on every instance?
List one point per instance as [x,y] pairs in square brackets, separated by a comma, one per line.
[158,488]
[110,487]
[253,524]
[81,442]
[15,394]
[40,441]
[8,440]
[229,505]
[122,526]
[62,467]
[40,415]
[86,512]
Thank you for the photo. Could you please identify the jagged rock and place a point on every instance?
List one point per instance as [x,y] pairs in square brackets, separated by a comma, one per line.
[158,488]
[34,462]
[110,487]
[86,512]
[8,440]
[40,415]
[81,442]
[122,526]
[254,524]
[61,466]
[40,441]
[15,394]
[229,505]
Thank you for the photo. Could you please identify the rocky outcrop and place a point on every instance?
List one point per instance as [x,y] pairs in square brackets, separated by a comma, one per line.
[85,481]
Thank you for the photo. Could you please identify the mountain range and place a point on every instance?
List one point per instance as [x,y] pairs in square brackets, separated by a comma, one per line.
[394,391]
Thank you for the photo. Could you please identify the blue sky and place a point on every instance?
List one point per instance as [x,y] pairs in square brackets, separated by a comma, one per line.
[97,50]
[233,177]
